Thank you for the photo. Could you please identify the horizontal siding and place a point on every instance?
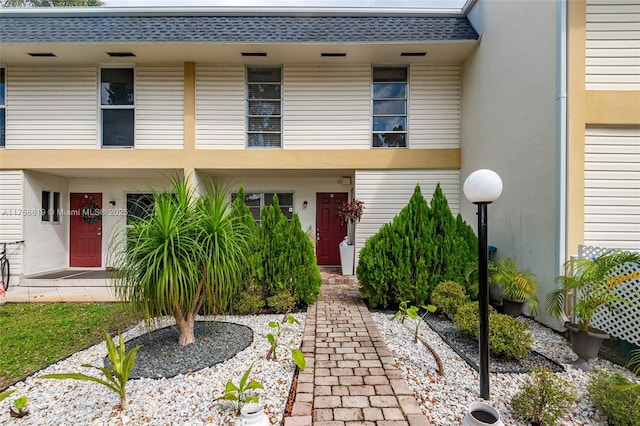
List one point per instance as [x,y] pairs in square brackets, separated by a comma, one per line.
[612,187]
[326,107]
[160,107]
[11,208]
[613,45]
[51,108]
[220,107]
[434,106]
[386,192]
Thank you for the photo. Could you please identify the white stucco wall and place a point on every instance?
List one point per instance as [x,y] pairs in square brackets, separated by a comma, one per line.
[509,125]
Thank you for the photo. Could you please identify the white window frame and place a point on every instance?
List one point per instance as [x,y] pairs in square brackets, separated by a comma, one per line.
[50,213]
[101,107]
[247,109]
[406,100]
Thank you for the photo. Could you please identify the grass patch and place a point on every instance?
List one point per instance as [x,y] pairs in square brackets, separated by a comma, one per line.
[35,335]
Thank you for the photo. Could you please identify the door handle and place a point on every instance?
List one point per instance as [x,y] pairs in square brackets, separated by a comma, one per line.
[98,234]
[318,234]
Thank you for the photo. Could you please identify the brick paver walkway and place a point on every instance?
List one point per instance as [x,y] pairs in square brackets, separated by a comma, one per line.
[351,378]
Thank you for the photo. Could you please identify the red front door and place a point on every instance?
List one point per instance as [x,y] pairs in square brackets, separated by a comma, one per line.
[85,242]
[329,230]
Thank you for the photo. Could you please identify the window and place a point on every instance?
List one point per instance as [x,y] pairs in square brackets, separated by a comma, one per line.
[139,206]
[46,204]
[257,200]
[264,107]
[50,206]
[117,107]
[390,107]
[2,109]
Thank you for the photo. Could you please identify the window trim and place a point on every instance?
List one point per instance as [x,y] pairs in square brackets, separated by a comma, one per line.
[101,107]
[407,107]
[247,109]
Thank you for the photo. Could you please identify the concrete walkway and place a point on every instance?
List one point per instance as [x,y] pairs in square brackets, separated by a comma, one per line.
[351,377]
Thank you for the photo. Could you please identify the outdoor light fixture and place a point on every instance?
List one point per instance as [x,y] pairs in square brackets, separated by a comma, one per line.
[304,204]
[483,187]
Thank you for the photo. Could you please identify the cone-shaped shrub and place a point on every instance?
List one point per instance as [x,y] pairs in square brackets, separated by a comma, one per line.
[284,260]
[420,248]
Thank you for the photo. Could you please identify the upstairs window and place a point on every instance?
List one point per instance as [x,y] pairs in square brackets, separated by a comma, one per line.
[389,107]
[117,107]
[2,108]
[264,107]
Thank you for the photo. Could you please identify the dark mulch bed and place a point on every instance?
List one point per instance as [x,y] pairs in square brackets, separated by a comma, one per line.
[161,356]
[468,349]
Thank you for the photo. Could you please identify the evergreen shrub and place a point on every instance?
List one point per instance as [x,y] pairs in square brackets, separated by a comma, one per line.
[544,398]
[283,260]
[282,302]
[423,246]
[448,296]
[508,337]
[620,406]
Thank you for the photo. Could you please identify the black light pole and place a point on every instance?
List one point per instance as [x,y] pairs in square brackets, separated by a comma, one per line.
[483,187]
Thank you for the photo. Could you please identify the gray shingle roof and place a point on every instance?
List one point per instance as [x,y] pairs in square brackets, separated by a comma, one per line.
[233,29]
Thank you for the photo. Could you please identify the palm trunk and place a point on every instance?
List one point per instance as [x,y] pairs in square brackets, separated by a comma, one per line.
[186,326]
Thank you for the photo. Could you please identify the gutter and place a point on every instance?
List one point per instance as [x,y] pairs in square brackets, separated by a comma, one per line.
[562,133]
[301,11]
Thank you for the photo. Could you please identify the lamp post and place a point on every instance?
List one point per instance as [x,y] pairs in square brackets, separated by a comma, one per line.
[482,188]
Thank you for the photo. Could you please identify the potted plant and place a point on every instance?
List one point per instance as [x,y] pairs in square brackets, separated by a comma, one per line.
[518,286]
[349,214]
[593,281]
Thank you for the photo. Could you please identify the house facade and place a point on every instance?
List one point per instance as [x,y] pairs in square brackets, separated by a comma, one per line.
[319,105]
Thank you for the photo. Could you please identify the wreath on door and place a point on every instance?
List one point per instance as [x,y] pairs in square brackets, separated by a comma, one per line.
[91,213]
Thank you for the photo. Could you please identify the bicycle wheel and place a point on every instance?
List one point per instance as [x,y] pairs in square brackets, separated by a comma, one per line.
[4,272]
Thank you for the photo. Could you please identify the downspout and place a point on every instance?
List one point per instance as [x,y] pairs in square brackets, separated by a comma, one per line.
[562,133]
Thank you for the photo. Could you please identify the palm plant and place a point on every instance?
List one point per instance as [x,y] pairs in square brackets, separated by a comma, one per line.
[594,282]
[188,254]
[517,284]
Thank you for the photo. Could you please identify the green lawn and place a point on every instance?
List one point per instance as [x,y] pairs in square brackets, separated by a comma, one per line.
[34,335]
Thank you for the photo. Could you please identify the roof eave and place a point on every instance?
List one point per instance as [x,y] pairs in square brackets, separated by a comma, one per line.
[236,11]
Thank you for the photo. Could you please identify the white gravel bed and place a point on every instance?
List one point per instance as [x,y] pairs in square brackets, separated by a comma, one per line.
[444,399]
[182,400]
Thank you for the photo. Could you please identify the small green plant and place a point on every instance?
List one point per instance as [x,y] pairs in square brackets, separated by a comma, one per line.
[249,303]
[508,337]
[281,302]
[5,394]
[20,405]
[413,313]
[116,376]
[544,398]
[274,339]
[517,284]
[239,392]
[621,408]
[448,296]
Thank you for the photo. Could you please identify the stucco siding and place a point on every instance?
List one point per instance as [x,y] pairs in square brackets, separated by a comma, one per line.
[160,107]
[12,214]
[386,192]
[434,106]
[327,107]
[51,108]
[612,187]
[220,107]
[613,45]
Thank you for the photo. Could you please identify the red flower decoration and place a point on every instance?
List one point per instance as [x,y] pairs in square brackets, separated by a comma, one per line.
[351,212]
